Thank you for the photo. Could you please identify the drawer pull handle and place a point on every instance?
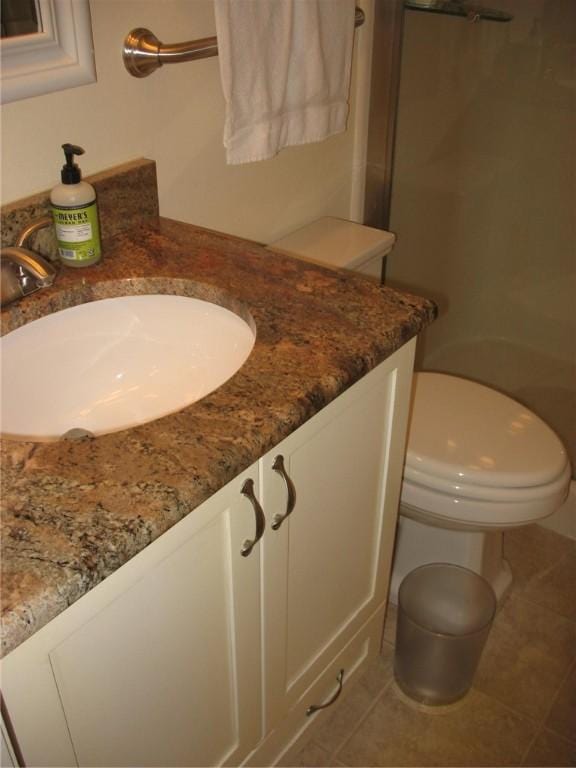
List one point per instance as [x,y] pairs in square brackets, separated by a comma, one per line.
[315,707]
[248,491]
[278,466]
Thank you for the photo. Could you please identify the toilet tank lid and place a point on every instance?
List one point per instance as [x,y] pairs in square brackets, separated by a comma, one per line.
[336,243]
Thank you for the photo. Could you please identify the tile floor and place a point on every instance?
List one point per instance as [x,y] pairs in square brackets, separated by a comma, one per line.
[521,710]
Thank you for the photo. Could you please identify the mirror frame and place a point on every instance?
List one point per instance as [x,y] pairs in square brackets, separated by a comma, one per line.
[61,56]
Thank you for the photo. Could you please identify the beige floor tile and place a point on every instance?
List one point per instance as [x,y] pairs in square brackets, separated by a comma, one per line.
[339,726]
[532,550]
[527,656]
[527,671]
[312,756]
[345,718]
[350,711]
[390,624]
[482,732]
[562,717]
[555,588]
[552,750]
[380,672]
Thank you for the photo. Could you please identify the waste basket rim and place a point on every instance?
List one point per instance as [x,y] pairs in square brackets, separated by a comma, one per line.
[448,633]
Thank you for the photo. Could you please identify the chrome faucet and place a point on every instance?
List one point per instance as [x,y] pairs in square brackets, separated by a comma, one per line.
[23,271]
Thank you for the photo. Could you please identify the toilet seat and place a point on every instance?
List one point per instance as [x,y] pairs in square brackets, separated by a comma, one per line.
[478,458]
[455,511]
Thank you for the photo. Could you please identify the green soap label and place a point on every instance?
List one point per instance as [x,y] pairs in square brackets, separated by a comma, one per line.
[77,232]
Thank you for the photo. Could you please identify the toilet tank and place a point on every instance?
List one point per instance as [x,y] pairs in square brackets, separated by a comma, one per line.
[338,243]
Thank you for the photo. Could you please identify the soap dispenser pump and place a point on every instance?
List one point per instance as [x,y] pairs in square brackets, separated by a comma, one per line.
[75,214]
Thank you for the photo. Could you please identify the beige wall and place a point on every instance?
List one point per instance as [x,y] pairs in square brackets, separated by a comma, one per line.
[176,117]
[484,198]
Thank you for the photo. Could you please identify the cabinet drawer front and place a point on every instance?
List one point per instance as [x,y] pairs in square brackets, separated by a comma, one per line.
[298,727]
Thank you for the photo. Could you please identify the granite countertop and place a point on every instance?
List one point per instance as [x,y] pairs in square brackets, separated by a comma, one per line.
[75,511]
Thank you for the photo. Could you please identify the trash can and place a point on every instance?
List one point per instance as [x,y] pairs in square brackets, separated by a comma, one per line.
[444,616]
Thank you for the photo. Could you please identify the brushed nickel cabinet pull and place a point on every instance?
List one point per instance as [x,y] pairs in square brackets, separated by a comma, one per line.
[248,491]
[316,707]
[278,466]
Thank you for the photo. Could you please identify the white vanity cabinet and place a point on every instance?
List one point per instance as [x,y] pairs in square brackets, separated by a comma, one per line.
[194,654]
[157,666]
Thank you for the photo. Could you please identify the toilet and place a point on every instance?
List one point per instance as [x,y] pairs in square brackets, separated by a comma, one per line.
[477,462]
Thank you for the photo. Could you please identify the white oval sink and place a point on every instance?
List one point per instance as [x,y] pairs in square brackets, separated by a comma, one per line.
[116,363]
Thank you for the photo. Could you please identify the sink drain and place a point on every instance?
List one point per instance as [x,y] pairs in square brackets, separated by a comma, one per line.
[77,433]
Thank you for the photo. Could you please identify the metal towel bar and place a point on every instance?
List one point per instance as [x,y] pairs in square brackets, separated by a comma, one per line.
[143,53]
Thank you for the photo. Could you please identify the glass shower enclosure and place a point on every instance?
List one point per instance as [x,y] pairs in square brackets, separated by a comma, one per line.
[484,197]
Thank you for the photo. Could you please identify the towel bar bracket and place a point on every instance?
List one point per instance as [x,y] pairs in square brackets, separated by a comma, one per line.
[143,53]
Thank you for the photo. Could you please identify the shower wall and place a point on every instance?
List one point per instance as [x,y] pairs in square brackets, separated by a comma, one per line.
[484,198]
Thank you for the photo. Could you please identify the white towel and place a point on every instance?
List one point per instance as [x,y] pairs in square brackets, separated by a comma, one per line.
[285,69]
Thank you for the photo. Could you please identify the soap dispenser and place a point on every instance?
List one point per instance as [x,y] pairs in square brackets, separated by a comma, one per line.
[75,215]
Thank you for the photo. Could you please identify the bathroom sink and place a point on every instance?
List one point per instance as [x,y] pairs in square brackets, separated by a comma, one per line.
[115,363]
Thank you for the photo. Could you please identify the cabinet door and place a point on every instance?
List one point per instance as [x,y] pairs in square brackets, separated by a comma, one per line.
[168,672]
[326,568]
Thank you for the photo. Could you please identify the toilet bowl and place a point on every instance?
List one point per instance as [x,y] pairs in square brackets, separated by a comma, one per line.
[477,462]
